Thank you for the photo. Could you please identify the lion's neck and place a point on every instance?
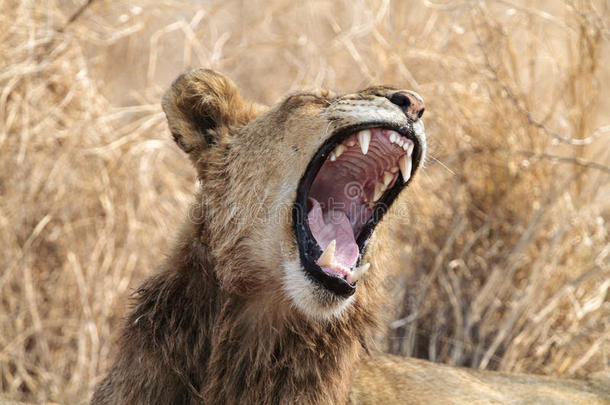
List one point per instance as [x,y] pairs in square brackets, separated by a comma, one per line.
[260,359]
[236,351]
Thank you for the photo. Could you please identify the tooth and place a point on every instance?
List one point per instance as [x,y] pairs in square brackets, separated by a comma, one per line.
[387,178]
[394,169]
[405,167]
[379,189]
[364,138]
[328,256]
[339,150]
[351,143]
[358,272]
[393,137]
[409,148]
[333,157]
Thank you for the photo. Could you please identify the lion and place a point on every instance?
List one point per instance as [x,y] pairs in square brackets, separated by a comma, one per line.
[270,295]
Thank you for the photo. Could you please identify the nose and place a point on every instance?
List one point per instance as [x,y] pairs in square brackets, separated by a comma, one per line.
[410,103]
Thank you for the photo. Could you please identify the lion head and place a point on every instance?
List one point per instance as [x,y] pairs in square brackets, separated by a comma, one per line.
[289,196]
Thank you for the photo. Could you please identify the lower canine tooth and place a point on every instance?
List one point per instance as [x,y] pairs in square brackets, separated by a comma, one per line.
[379,189]
[387,178]
[405,164]
[364,138]
[358,272]
[328,256]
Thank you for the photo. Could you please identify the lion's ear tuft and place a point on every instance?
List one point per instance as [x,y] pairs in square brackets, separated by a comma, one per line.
[199,104]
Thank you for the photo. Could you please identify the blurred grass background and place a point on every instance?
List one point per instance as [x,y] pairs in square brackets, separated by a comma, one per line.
[501,257]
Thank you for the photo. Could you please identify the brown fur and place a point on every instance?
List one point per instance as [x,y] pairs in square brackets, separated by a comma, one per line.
[215,325]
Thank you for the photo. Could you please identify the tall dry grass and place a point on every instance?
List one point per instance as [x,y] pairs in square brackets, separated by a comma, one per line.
[503,257]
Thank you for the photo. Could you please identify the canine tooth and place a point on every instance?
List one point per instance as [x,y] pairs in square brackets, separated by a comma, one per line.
[394,169]
[387,178]
[405,163]
[358,272]
[328,256]
[379,189]
[364,138]
[333,157]
[339,150]
[393,137]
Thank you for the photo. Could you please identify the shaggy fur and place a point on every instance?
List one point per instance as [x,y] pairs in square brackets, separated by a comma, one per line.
[187,341]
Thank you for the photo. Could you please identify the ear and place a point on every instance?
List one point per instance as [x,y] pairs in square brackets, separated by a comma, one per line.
[199,105]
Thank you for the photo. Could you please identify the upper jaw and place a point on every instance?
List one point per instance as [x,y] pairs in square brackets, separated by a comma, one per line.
[338,279]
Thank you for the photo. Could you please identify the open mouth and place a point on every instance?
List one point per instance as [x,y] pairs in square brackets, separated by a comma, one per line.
[347,188]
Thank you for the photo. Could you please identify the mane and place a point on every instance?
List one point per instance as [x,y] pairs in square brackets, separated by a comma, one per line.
[209,343]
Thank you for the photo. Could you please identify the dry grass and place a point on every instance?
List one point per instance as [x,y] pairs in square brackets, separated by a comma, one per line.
[505,259]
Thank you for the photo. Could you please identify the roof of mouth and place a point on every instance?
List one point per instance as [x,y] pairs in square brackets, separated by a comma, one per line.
[346,189]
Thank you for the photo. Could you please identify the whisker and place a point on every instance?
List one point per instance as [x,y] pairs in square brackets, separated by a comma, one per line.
[442,164]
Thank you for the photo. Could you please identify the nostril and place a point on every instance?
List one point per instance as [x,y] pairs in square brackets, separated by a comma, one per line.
[409,102]
[401,100]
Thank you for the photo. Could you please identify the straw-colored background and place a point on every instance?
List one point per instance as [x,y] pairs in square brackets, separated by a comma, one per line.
[502,258]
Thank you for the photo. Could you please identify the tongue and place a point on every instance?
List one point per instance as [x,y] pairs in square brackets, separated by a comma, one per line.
[333,225]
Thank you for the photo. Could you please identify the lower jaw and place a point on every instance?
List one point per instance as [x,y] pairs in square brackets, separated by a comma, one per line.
[334,284]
